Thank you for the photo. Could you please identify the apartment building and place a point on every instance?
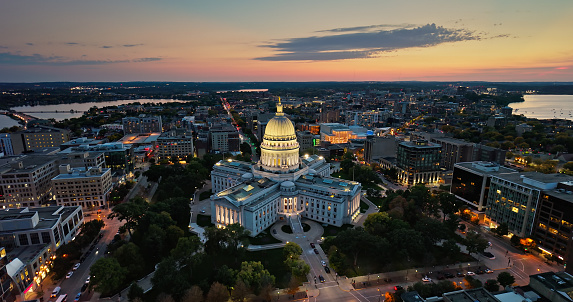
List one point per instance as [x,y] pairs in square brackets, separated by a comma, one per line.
[142,124]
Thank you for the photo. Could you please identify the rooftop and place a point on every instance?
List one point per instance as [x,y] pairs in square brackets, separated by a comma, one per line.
[29,163]
[243,191]
[474,295]
[485,167]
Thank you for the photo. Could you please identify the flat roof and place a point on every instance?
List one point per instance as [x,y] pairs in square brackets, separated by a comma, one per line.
[243,191]
[29,163]
[558,281]
[80,173]
[484,167]
[536,176]
[328,182]
[27,253]
[235,164]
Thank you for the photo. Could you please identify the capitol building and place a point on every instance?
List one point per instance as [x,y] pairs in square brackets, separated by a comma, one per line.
[281,186]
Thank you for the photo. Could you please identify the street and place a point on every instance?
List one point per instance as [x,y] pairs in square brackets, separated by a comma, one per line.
[73,285]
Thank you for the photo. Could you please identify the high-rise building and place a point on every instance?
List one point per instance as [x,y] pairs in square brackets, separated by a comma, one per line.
[418,162]
[454,151]
[377,147]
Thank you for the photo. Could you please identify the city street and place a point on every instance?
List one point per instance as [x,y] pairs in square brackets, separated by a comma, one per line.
[73,285]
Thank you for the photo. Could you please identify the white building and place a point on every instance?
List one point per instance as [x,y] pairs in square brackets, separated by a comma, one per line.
[80,187]
[281,186]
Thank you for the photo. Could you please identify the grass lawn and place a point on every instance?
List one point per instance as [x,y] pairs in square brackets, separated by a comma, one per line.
[273,260]
[264,238]
[331,230]
[204,221]
[205,195]
[378,201]
[370,265]
[363,207]
[371,185]
[287,229]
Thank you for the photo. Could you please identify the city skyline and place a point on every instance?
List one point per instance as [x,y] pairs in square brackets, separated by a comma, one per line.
[131,40]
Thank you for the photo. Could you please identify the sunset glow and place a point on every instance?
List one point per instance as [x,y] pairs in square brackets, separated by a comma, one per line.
[64,40]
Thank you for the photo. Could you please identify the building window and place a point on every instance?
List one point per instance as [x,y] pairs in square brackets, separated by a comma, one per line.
[23,239]
[35,238]
[46,237]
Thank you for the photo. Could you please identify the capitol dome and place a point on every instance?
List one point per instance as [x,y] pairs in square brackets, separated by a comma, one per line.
[279,128]
[279,148]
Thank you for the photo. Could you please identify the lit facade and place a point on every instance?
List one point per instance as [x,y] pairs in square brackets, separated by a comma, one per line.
[281,186]
[418,162]
[88,188]
[175,143]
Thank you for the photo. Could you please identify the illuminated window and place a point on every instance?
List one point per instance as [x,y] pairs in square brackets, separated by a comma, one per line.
[514,209]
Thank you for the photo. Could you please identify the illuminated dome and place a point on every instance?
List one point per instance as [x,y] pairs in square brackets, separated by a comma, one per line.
[279,149]
[279,128]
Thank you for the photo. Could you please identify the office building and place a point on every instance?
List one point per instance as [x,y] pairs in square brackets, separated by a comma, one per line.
[377,147]
[224,138]
[26,181]
[514,199]
[453,151]
[418,162]
[38,137]
[471,183]
[176,143]
[88,188]
[142,124]
[487,153]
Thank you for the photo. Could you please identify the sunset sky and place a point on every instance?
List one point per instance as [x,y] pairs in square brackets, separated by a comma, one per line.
[320,40]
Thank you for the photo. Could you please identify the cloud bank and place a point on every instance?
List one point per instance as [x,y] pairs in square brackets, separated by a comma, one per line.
[8,58]
[364,42]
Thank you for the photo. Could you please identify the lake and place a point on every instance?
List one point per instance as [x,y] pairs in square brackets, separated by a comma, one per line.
[80,108]
[541,106]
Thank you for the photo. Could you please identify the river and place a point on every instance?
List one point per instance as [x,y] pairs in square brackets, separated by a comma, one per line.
[542,106]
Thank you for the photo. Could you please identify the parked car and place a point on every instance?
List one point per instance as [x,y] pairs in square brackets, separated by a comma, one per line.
[88,279]
[321,278]
[78,297]
[460,274]
[84,287]
[448,275]
[488,271]
[312,245]
[76,266]
[488,255]
[426,279]
[327,269]
[69,275]
[470,274]
[323,262]
[398,287]
[316,251]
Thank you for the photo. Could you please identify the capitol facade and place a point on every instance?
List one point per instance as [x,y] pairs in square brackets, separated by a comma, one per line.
[281,186]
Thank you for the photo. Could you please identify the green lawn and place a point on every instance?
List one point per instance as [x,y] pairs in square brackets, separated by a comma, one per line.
[287,229]
[205,195]
[204,221]
[331,230]
[264,238]
[363,207]
[273,260]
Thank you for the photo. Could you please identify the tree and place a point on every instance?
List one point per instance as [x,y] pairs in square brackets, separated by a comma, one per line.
[218,293]
[130,211]
[354,241]
[292,250]
[471,282]
[449,204]
[107,275]
[491,285]
[337,259]
[505,279]
[293,286]
[129,257]
[502,229]
[475,243]
[194,294]
[377,223]
[240,291]
[255,276]
[169,278]
[135,292]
